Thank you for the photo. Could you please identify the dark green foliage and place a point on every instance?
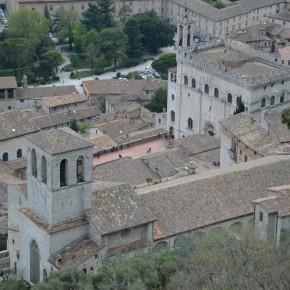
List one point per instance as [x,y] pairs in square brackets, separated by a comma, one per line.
[285,116]
[163,63]
[112,44]
[133,32]
[90,17]
[15,285]
[155,32]
[26,47]
[218,261]
[64,23]
[99,15]
[158,101]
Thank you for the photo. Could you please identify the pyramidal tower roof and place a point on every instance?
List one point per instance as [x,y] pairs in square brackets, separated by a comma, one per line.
[57,141]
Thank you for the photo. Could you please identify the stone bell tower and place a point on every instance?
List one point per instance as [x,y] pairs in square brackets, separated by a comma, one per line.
[59,176]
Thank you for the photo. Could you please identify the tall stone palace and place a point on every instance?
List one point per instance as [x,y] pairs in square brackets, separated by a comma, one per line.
[218,76]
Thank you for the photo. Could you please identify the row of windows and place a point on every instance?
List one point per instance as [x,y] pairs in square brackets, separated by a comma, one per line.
[5,155]
[63,169]
[272,101]
[207,89]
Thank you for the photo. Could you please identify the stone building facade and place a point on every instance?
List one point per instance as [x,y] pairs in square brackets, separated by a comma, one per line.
[62,218]
[244,138]
[200,17]
[58,210]
[215,79]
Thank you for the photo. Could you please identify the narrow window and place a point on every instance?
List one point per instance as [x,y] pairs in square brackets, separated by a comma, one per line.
[263,103]
[80,169]
[185,80]
[230,98]
[206,88]
[216,92]
[172,116]
[193,83]
[19,153]
[282,98]
[5,156]
[63,173]
[189,123]
[33,163]
[272,102]
[261,216]
[43,170]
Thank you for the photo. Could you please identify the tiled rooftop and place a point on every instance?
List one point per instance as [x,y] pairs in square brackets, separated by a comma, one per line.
[56,141]
[197,201]
[117,208]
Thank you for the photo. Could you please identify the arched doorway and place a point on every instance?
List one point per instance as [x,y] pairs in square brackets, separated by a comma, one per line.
[34,263]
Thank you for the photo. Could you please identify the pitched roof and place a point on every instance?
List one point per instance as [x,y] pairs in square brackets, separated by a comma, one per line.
[274,122]
[252,134]
[122,87]
[45,121]
[8,83]
[17,123]
[241,7]
[285,53]
[117,207]
[62,100]
[197,201]
[278,203]
[40,92]
[75,253]
[56,141]
[127,170]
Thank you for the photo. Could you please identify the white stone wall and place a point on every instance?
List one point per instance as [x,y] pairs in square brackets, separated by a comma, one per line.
[11,146]
[205,109]
[16,200]
[29,231]
[61,239]
[238,226]
[120,238]
[225,146]
[64,108]
[55,204]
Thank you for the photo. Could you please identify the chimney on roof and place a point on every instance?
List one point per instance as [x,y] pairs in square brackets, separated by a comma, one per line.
[24,81]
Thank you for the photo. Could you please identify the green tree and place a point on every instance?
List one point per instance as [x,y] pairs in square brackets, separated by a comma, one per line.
[90,17]
[27,24]
[17,53]
[285,116]
[78,35]
[158,101]
[71,279]
[99,15]
[113,44]
[65,21]
[49,62]
[156,33]
[15,285]
[124,13]
[133,32]
[163,63]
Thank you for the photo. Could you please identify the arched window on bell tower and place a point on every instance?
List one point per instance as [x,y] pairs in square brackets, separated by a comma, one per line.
[63,173]
[80,169]
[33,163]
